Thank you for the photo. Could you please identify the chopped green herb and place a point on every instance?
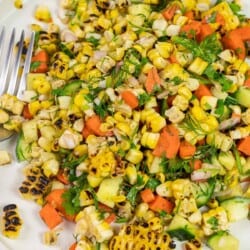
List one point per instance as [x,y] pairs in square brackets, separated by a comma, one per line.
[34,65]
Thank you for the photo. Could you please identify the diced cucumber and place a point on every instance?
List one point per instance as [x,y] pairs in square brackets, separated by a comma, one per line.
[243,96]
[182,229]
[237,208]
[30,131]
[22,148]
[223,241]
[68,89]
[203,191]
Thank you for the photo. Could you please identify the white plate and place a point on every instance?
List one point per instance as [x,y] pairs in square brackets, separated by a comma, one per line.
[11,175]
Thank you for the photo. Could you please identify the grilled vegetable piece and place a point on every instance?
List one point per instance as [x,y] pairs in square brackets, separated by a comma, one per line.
[22,148]
[11,221]
[36,184]
[243,96]
[237,208]
[223,241]
[182,229]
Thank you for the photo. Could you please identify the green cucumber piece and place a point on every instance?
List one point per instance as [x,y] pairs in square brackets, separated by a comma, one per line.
[69,89]
[22,148]
[243,97]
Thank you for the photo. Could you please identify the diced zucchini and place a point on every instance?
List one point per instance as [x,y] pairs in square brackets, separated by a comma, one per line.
[237,208]
[30,131]
[108,191]
[68,89]
[182,229]
[203,191]
[243,96]
[222,240]
[22,148]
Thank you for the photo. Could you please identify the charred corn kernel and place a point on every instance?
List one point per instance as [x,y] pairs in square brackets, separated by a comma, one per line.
[219,216]
[150,139]
[181,188]
[198,113]
[18,4]
[185,92]
[198,66]
[118,54]
[50,167]
[105,64]
[164,48]
[208,102]
[124,128]
[228,55]
[4,116]
[79,68]
[86,198]
[104,23]
[220,141]
[134,156]
[5,157]
[165,189]
[120,26]
[140,49]
[131,173]
[174,114]
[141,209]
[181,102]
[231,20]
[11,221]
[77,30]
[183,58]
[173,70]
[50,237]
[34,107]
[94,181]
[241,65]
[42,13]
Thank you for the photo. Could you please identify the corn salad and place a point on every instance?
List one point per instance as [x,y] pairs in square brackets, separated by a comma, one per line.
[140,112]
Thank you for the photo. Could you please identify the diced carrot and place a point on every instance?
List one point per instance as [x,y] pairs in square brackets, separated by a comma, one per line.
[173,59]
[73,246]
[26,112]
[40,62]
[186,150]
[168,143]
[235,43]
[55,198]
[196,164]
[192,28]
[189,14]
[111,218]
[130,98]
[103,208]
[169,12]
[50,216]
[205,30]
[203,90]
[161,204]
[152,80]
[86,132]
[242,32]
[247,83]
[147,195]
[93,124]
[244,146]
[220,19]
[62,177]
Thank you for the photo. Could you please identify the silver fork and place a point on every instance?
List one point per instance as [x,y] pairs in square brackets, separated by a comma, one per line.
[9,81]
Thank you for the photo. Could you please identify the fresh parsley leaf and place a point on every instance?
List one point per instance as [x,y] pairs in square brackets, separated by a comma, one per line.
[152,183]
[161,6]
[34,65]
[213,75]
[132,193]
[71,202]
[237,11]
[176,80]
[220,108]
[143,98]
[101,109]
[93,40]
[212,17]
[213,221]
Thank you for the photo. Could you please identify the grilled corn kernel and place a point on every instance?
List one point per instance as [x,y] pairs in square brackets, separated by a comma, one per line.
[18,4]
[42,13]
[198,113]
[131,174]
[134,156]
[164,48]
[198,66]
[150,139]
[181,102]
[208,102]
[141,209]
[185,92]
[228,56]
[174,114]
[124,128]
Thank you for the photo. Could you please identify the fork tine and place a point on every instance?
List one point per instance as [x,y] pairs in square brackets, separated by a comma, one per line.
[26,68]
[6,65]
[13,80]
[2,39]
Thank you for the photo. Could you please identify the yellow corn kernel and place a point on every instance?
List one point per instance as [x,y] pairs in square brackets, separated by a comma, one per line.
[18,4]
[141,210]
[85,198]
[164,48]
[124,128]
[46,104]
[119,26]
[124,145]
[50,167]
[212,122]
[189,4]
[81,150]
[140,49]
[241,65]
[94,181]
[198,66]
[120,117]
[181,102]
[34,107]
[131,173]
[208,102]
[198,113]
[79,68]
[103,22]
[44,87]
[191,137]
[134,156]
[118,54]
[42,13]
[150,139]
[185,92]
